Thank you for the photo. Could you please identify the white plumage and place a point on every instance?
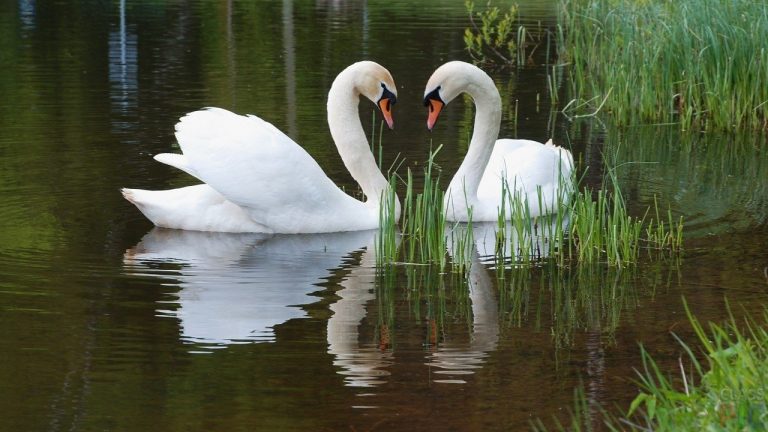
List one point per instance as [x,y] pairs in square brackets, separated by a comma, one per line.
[534,172]
[257,179]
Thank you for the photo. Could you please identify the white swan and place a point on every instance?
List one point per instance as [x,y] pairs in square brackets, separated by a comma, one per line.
[256,179]
[528,166]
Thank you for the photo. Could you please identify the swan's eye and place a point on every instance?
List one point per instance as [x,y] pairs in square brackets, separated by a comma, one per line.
[433,95]
[387,95]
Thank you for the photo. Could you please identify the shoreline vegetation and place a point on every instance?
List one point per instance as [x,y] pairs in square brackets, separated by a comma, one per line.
[696,63]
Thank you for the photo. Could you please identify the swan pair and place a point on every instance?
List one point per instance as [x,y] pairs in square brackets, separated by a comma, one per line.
[256,179]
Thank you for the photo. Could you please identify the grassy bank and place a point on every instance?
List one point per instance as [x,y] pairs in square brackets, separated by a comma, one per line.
[701,63]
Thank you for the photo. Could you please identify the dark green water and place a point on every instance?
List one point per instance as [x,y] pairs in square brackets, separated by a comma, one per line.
[106,324]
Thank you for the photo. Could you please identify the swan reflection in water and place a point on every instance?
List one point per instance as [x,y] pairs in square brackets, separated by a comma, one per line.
[362,364]
[454,359]
[236,287]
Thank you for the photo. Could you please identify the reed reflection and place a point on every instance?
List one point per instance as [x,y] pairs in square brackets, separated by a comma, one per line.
[710,178]
[453,358]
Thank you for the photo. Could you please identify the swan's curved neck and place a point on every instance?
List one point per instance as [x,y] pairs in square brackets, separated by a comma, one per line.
[465,182]
[350,139]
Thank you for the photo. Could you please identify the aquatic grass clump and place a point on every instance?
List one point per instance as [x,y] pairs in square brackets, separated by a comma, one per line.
[423,223]
[701,63]
[728,392]
[602,228]
[423,235]
[386,242]
[725,391]
[585,227]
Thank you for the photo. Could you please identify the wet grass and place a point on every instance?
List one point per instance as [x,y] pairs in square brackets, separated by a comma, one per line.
[602,229]
[697,63]
[726,390]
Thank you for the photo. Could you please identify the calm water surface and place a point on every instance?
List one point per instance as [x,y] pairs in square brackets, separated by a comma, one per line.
[109,324]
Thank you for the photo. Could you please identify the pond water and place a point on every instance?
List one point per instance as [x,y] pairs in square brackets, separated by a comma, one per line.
[109,324]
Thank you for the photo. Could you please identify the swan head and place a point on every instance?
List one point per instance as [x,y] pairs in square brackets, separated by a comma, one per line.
[449,81]
[374,81]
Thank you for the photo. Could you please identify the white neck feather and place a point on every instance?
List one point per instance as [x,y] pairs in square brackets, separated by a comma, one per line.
[466,181]
[350,139]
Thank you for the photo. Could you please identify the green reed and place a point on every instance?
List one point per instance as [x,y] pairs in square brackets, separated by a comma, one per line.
[386,242]
[423,223]
[423,229]
[584,227]
[700,63]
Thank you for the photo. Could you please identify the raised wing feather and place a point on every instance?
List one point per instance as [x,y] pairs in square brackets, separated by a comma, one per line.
[527,166]
[256,166]
[177,161]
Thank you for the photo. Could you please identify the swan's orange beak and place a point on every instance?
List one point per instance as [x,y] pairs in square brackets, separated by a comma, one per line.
[435,103]
[435,106]
[385,105]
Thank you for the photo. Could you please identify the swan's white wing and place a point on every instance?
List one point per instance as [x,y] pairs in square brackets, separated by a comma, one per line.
[528,166]
[256,166]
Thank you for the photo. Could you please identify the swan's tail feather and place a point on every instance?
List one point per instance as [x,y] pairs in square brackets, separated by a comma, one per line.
[128,194]
[148,202]
[196,208]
